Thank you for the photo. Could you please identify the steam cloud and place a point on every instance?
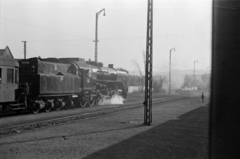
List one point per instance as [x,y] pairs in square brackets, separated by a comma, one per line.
[116,99]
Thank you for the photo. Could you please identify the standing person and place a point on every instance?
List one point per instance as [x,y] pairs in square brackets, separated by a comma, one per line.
[202,97]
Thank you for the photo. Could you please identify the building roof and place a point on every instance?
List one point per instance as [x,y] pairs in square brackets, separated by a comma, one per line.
[7,59]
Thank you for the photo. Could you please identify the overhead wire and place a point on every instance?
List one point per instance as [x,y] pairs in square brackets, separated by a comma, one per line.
[76,40]
[181,15]
[45,28]
[192,17]
[135,37]
[186,22]
[117,38]
[195,26]
[83,38]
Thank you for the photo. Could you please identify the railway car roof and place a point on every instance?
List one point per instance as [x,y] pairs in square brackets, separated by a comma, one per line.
[7,59]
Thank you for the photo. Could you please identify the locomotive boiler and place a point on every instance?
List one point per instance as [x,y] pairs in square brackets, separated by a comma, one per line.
[56,83]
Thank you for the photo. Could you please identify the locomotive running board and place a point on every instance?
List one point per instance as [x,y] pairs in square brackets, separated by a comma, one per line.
[19,104]
[16,106]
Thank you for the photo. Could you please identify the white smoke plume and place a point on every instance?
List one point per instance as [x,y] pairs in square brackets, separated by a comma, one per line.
[116,99]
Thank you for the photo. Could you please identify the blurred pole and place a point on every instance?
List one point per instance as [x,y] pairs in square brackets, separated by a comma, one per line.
[194,77]
[170,71]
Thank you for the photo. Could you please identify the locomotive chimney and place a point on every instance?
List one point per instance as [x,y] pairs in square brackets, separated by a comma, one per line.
[110,65]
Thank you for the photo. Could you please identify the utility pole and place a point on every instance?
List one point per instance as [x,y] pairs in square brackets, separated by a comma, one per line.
[25,48]
[148,69]
[170,71]
[96,34]
[194,77]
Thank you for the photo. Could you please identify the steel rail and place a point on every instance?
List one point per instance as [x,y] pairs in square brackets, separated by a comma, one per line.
[25,112]
[52,122]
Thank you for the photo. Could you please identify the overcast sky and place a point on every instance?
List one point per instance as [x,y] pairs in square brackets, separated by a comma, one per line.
[66,28]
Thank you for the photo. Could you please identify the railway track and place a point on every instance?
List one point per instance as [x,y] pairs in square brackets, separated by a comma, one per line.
[26,112]
[68,119]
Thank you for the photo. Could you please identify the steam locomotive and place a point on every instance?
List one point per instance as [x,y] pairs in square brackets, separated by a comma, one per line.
[56,83]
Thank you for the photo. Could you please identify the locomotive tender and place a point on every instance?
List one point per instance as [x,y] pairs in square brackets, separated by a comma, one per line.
[56,83]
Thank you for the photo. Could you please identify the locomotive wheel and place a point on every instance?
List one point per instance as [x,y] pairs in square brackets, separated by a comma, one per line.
[35,108]
[57,105]
[83,102]
[47,107]
[91,102]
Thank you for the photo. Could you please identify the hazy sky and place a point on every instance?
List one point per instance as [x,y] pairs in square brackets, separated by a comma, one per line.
[66,28]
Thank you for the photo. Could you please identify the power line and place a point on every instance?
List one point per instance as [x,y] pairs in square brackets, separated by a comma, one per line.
[192,17]
[119,38]
[181,14]
[56,40]
[45,28]
[83,38]
[135,37]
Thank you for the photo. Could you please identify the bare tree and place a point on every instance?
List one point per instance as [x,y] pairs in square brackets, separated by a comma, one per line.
[142,73]
[134,61]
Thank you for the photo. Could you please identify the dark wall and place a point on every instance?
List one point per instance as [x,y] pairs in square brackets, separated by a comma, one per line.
[225,100]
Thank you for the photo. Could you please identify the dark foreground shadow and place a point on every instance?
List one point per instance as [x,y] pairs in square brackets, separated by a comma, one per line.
[186,137]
